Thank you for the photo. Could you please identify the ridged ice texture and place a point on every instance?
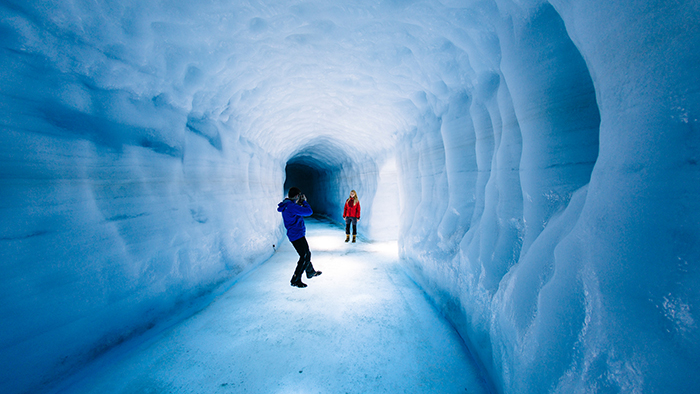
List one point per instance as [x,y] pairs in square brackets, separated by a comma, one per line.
[566,247]
[538,161]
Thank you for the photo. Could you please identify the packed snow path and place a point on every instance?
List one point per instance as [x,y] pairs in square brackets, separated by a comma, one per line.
[361,327]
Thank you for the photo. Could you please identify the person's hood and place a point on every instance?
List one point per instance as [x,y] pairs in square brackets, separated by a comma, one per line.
[283,205]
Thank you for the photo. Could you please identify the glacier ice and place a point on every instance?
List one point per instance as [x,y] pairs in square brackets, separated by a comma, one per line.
[536,160]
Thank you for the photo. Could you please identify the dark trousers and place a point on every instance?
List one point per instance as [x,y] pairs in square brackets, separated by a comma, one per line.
[304,263]
[349,220]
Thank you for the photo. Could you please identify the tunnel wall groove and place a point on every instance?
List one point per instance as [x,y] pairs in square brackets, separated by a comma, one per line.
[111,220]
[543,258]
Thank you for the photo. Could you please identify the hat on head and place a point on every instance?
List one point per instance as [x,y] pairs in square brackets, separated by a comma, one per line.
[293,192]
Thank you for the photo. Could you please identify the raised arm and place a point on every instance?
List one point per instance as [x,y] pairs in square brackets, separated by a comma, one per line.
[301,210]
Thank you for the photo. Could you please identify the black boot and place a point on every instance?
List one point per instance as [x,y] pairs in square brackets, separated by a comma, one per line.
[299,284]
[296,282]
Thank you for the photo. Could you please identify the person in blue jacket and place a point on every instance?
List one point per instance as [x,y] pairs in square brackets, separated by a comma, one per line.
[293,209]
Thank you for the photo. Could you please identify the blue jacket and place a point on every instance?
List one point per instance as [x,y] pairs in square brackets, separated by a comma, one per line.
[292,215]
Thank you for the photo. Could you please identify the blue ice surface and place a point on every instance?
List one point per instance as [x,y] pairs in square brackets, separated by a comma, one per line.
[361,326]
[537,163]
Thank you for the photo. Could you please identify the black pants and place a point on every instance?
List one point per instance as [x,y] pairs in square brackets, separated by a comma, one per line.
[349,220]
[304,263]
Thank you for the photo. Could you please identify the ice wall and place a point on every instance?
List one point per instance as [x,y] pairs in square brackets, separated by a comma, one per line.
[538,161]
[116,211]
[567,248]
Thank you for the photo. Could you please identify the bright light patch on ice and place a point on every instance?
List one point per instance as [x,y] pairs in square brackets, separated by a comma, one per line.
[326,243]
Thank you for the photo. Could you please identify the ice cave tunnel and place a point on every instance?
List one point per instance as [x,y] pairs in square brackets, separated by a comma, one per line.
[536,161]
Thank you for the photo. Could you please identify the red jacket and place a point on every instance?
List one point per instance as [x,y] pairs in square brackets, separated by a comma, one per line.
[352,209]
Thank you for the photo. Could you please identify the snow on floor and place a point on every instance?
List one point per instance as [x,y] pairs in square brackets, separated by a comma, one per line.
[361,327]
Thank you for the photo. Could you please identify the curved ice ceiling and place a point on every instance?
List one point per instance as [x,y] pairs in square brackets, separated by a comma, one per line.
[354,73]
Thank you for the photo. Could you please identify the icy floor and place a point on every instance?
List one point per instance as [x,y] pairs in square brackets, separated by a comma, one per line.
[361,327]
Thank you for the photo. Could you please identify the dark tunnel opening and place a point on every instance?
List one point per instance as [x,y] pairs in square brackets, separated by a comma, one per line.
[321,170]
[315,181]
[308,179]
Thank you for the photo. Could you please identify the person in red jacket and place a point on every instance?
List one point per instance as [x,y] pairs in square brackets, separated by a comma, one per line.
[351,214]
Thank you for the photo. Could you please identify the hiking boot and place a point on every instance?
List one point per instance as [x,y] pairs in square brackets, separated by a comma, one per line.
[299,284]
[347,237]
[317,273]
[354,238]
